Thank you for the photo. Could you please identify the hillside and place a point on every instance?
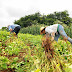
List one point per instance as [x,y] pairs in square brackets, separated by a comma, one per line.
[26,54]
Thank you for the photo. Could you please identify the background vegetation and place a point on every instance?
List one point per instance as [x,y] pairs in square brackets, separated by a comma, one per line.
[31,24]
[44,19]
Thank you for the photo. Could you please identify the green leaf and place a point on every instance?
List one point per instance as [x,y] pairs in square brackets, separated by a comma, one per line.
[4,66]
[15,59]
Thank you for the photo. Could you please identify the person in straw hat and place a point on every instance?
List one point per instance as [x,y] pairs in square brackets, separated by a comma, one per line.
[14,29]
[54,31]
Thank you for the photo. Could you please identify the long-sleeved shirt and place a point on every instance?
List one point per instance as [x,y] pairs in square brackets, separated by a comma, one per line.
[52,29]
[13,26]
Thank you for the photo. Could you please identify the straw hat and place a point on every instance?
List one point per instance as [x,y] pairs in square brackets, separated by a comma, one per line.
[41,28]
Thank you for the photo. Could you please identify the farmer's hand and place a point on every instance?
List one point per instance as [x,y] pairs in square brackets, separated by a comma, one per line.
[10,29]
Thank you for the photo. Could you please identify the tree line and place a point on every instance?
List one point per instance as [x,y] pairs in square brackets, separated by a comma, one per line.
[49,19]
[31,23]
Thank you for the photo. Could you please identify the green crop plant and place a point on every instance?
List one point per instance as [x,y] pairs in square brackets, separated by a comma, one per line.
[26,54]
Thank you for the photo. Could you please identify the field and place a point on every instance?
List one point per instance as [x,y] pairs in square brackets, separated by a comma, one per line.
[26,54]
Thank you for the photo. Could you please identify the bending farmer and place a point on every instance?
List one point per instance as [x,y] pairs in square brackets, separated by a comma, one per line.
[14,28]
[55,31]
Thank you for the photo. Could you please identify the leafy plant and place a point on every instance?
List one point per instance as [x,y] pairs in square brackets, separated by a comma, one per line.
[26,54]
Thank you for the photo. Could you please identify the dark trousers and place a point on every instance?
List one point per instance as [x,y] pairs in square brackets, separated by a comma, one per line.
[16,29]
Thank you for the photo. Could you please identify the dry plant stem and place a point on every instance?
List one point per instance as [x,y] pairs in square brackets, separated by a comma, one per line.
[52,57]
[46,43]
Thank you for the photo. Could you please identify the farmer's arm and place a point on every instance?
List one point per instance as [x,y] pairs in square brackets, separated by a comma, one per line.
[50,33]
[10,29]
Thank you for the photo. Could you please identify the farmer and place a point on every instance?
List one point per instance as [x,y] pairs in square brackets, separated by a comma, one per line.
[14,29]
[54,31]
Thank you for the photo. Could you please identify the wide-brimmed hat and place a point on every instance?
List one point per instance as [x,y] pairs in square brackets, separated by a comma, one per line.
[41,28]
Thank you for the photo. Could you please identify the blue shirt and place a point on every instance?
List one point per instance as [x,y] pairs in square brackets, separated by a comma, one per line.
[12,26]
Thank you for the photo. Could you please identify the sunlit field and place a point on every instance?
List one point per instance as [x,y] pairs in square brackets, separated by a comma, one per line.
[26,53]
